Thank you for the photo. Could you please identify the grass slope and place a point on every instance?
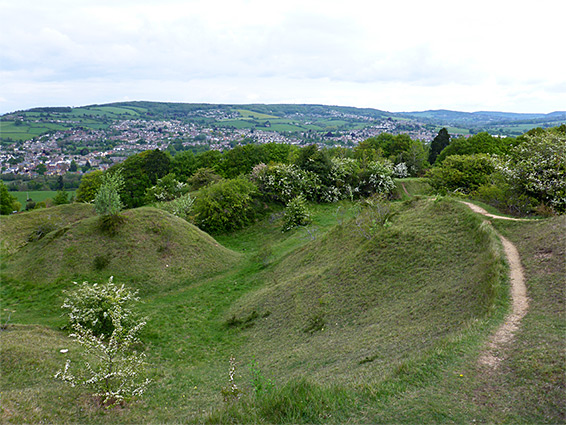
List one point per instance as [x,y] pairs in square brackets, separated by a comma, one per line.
[385,330]
[16,229]
[151,251]
[344,308]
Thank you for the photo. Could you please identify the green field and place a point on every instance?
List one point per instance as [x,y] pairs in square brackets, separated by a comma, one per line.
[255,115]
[37,195]
[26,131]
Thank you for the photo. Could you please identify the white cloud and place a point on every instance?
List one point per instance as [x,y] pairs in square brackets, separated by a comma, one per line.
[402,55]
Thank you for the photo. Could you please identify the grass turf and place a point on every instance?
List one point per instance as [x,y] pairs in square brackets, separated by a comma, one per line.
[345,328]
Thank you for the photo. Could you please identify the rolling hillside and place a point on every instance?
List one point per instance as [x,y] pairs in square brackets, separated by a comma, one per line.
[326,326]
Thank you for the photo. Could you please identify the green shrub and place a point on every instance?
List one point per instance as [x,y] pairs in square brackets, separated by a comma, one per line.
[61,198]
[203,177]
[296,214]
[166,189]
[462,173]
[227,205]
[505,198]
[92,305]
[107,200]
[537,168]
[181,207]
[107,330]
[90,183]
[8,202]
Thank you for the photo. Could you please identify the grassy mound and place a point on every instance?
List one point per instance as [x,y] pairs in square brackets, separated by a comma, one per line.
[326,326]
[17,229]
[345,308]
[150,251]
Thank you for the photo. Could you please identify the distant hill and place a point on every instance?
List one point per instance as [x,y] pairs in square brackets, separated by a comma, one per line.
[298,118]
[486,119]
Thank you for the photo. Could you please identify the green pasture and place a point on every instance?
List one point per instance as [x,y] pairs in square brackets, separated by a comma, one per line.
[37,195]
[246,114]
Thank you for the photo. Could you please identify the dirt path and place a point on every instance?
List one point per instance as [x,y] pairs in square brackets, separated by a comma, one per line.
[491,356]
[481,211]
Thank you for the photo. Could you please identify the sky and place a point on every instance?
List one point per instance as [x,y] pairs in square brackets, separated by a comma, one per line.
[398,55]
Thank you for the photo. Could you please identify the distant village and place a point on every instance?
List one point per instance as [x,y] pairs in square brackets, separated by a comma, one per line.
[55,153]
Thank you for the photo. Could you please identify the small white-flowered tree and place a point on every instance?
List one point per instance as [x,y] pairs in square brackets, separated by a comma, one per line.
[106,331]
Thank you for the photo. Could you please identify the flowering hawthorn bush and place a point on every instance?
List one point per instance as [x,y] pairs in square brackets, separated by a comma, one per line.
[296,214]
[376,178]
[167,189]
[91,305]
[107,331]
[537,167]
[180,207]
[343,180]
[283,182]
[400,170]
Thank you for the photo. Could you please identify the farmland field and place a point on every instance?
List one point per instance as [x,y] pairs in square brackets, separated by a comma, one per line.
[37,195]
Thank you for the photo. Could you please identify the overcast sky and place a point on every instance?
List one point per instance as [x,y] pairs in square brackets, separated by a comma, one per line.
[397,55]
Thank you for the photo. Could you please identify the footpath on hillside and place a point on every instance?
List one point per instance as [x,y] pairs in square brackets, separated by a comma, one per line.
[491,356]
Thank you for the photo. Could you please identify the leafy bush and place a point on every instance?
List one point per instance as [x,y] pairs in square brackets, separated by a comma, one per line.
[296,214]
[503,197]
[141,172]
[227,205]
[315,161]
[283,182]
[479,143]
[166,189]
[8,202]
[537,168]
[464,173]
[106,328]
[203,177]
[107,200]
[61,198]
[90,183]
[180,207]
[376,178]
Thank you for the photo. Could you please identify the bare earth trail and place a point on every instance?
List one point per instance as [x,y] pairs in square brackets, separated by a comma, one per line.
[491,357]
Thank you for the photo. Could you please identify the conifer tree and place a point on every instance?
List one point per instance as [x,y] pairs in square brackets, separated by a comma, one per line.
[438,144]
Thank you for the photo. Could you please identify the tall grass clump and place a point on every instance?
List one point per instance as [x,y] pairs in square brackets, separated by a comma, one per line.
[299,401]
